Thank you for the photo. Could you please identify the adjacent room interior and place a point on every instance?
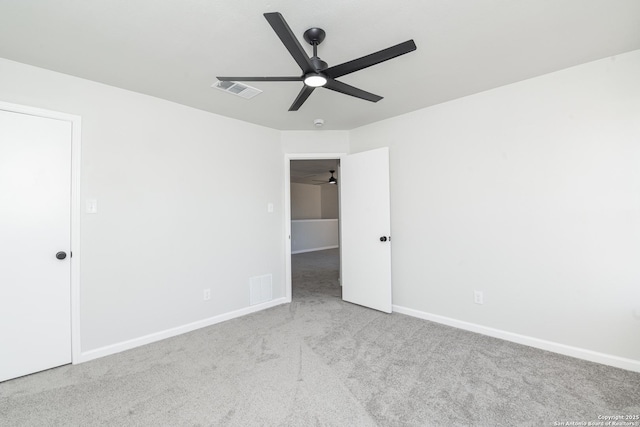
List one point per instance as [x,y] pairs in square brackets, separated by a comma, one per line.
[315,213]
[176,251]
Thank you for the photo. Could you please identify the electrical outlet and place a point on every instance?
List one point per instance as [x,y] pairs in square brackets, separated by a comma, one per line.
[206,294]
[478,297]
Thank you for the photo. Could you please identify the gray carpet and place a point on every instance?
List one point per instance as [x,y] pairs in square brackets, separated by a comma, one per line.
[320,361]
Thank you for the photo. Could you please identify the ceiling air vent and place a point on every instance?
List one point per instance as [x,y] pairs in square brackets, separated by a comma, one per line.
[236,88]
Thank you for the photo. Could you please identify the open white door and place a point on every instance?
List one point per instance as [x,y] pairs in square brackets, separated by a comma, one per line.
[35,231]
[365,215]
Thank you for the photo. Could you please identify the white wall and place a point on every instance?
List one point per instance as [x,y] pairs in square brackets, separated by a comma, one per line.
[310,235]
[314,201]
[306,202]
[329,201]
[315,141]
[167,225]
[530,193]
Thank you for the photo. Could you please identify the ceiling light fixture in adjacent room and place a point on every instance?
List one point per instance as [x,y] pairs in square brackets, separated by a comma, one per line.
[332,180]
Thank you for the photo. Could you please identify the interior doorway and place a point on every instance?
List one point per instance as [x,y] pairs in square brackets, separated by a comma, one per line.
[364,227]
[315,231]
[312,217]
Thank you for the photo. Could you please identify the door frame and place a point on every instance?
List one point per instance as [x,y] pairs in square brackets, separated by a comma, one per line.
[288,157]
[76,129]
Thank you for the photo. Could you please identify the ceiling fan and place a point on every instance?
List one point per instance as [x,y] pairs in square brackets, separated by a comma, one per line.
[316,72]
[332,180]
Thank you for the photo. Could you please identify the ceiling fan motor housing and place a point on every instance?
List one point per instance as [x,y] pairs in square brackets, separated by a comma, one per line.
[319,64]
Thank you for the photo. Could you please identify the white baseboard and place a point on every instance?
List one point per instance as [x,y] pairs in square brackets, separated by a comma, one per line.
[567,350]
[314,249]
[157,336]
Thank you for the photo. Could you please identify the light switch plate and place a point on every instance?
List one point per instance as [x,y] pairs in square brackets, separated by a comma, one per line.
[92,206]
[478,297]
[270,207]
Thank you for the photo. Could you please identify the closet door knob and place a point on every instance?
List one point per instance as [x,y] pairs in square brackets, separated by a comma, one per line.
[61,255]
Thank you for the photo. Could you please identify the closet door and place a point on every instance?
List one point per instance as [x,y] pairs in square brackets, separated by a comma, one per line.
[35,242]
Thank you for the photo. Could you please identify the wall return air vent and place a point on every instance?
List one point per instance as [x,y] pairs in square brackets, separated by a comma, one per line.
[236,88]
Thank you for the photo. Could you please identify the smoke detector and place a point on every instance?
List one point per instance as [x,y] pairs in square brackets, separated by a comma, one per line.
[240,89]
[318,122]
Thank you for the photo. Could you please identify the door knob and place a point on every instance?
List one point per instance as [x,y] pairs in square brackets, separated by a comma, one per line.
[61,255]
[383,239]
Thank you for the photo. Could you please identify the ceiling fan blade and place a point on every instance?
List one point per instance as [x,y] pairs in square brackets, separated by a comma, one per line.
[369,60]
[260,79]
[290,41]
[350,90]
[302,96]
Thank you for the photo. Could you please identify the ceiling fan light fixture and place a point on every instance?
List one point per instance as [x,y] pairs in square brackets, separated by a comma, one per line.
[315,80]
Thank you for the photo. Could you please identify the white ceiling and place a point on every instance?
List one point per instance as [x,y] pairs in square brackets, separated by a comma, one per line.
[173,49]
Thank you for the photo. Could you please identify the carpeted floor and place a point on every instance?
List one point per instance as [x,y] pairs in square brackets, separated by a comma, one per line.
[320,361]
